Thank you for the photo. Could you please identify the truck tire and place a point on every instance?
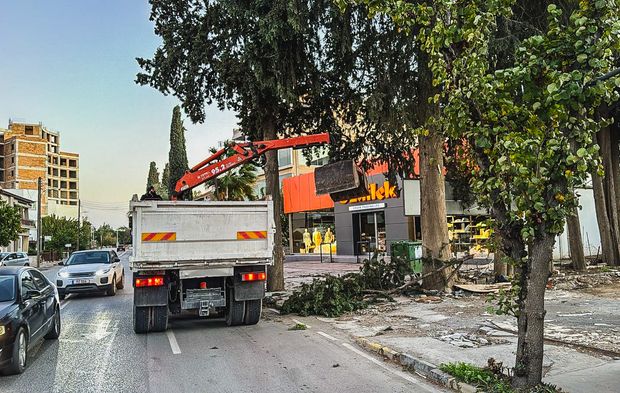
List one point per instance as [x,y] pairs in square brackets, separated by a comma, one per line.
[235,311]
[141,319]
[159,318]
[253,310]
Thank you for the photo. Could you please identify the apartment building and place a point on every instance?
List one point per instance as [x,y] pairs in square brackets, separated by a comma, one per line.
[30,151]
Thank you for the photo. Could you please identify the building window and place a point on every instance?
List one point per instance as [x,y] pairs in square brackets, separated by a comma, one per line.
[73,185]
[56,183]
[49,182]
[73,203]
[13,146]
[73,174]
[55,172]
[12,160]
[12,174]
[29,130]
[63,173]
[63,184]
[63,162]
[50,193]
[63,194]
[285,157]
[73,163]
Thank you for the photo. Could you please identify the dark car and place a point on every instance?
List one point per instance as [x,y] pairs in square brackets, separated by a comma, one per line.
[29,312]
[120,248]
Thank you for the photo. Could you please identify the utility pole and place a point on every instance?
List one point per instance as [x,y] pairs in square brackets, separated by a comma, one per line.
[78,223]
[39,226]
[117,238]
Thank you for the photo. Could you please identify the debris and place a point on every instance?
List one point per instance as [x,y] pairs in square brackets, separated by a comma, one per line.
[335,365]
[484,288]
[298,326]
[428,299]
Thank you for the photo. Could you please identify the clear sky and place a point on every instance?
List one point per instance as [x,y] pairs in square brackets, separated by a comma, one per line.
[70,64]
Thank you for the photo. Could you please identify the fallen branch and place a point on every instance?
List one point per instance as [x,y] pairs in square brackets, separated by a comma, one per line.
[417,280]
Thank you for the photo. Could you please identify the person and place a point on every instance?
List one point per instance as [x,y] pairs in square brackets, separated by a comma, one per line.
[151,195]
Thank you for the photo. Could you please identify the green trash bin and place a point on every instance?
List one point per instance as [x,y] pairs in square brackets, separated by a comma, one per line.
[409,250]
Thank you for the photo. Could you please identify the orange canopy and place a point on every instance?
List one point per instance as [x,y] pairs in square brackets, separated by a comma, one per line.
[299,195]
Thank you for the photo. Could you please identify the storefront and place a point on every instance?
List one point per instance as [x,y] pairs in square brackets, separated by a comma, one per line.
[369,224]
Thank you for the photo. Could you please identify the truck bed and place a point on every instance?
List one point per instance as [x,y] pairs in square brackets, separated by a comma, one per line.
[194,234]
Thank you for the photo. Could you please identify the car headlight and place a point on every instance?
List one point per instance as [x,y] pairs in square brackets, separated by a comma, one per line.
[101,272]
[2,330]
[63,274]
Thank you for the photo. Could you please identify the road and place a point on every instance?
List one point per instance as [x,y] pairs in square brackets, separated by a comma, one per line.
[99,352]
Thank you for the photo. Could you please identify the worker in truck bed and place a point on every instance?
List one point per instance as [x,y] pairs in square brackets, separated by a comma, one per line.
[151,195]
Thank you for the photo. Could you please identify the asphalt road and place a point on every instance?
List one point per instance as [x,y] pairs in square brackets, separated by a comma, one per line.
[99,352]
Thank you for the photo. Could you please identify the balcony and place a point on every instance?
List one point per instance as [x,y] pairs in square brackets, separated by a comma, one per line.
[27,223]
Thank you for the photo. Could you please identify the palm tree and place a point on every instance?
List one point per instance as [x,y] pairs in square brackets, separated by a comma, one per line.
[236,185]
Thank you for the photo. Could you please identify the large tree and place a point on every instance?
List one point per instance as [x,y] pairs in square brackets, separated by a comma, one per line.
[251,57]
[11,225]
[152,179]
[530,125]
[64,231]
[177,156]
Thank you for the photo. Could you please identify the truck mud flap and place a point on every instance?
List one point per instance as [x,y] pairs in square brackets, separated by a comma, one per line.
[153,296]
[249,290]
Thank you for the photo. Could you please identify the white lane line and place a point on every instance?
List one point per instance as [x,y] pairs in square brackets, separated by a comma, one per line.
[399,373]
[64,304]
[327,336]
[301,323]
[174,345]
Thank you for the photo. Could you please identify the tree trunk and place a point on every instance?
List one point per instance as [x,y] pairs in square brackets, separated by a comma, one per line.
[574,240]
[615,167]
[275,276]
[609,249]
[500,267]
[435,242]
[605,142]
[529,360]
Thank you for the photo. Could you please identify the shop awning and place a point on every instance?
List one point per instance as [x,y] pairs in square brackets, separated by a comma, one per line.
[299,195]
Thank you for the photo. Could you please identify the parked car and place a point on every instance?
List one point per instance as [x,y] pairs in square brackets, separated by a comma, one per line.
[91,271]
[14,259]
[29,312]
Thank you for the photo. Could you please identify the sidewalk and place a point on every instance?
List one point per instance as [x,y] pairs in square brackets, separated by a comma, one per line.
[582,328]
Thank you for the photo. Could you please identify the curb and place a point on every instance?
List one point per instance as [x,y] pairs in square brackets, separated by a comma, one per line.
[413,364]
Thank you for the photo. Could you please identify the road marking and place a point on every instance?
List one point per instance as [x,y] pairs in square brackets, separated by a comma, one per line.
[301,323]
[63,305]
[174,345]
[327,336]
[399,373]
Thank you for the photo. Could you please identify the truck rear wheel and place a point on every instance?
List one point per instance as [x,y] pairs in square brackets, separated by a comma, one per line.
[235,311]
[253,310]
[141,319]
[159,319]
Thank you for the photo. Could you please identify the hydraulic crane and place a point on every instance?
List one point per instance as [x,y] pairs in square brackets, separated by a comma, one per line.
[341,179]
[218,163]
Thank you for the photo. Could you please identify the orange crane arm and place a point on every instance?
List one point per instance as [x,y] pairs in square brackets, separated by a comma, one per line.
[214,165]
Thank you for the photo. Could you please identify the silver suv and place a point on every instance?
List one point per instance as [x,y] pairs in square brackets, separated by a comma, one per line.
[91,271]
[14,259]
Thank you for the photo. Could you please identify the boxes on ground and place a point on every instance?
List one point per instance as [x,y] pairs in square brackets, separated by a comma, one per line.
[410,251]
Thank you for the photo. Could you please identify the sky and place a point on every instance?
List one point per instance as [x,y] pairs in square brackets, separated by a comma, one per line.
[70,64]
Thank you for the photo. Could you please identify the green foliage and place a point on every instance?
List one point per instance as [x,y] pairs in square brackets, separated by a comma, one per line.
[105,236]
[235,185]
[65,231]
[153,176]
[10,218]
[298,326]
[177,156]
[490,380]
[332,296]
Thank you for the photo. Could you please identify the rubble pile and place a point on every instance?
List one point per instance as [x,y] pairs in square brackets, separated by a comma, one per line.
[586,280]
[465,340]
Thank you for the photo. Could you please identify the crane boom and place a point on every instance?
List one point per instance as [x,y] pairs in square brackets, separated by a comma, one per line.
[216,165]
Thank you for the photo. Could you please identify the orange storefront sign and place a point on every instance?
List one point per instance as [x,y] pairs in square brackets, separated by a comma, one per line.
[376,193]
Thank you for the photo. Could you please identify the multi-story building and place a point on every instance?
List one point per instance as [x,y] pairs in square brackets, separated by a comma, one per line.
[31,151]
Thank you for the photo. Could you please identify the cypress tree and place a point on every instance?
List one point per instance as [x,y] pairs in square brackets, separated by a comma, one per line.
[177,157]
[153,177]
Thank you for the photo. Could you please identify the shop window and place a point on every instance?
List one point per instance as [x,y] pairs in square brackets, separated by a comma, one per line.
[285,157]
[369,232]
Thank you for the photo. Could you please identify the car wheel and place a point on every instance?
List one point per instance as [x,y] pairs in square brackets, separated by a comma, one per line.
[121,283]
[54,332]
[19,357]
[112,290]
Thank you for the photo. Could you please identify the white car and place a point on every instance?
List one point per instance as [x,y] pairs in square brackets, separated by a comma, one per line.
[91,271]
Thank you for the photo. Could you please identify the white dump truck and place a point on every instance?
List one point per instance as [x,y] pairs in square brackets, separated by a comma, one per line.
[209,258]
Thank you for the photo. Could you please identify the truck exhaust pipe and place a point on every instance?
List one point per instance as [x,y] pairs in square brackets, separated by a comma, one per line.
[341,180]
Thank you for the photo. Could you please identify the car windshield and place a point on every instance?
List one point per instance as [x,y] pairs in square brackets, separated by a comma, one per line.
[7,288]
[85,258]
[3,254]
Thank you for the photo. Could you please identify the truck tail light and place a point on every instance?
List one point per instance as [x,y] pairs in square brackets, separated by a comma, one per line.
[156,281]
[256,276]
